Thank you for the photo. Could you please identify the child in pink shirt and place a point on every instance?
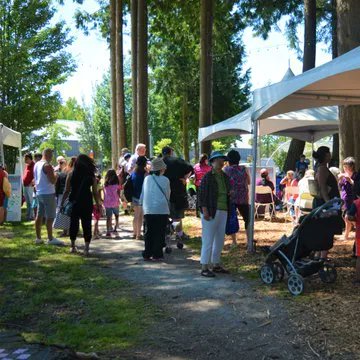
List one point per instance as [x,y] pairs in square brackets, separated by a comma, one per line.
[111,200]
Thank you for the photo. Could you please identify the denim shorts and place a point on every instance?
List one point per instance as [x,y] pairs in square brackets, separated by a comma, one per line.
[111,211]
[47,206]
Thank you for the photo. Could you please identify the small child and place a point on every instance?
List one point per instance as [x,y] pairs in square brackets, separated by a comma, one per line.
[353,214]
[111,200]
[96,210]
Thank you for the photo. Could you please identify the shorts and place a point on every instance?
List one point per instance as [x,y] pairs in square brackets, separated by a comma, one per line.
[47,206]
[96,213]
[111,211]
[135,201]
[6,202]
[176,214]
[357,247]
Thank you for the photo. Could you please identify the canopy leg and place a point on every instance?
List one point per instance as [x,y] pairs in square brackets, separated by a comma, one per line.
[250,244]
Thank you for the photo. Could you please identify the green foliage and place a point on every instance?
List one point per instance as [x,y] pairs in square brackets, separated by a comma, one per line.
[33,61]
[218,146]
[52,137]
[264,16]
[280,158]
[72,110]
[160,145]
[174,52]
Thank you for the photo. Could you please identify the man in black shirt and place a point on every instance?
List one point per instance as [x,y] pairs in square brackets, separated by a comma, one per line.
[177,171]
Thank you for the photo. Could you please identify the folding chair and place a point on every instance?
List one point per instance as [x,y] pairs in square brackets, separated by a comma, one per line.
[265,190]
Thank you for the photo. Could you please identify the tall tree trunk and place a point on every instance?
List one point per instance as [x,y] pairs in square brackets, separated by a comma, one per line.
[334,51]
[120,106]
[348,37]
[114,142]
[206,68]
[142,73]
[185,125]
[297,146]
[134,21]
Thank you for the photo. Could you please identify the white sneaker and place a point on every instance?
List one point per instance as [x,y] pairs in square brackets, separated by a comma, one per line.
[39,241]
[55,241]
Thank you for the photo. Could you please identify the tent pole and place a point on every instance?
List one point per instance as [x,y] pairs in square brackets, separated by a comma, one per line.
[2,145]
[250,245]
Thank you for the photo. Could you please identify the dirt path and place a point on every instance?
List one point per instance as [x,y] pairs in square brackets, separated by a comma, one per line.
[221,318]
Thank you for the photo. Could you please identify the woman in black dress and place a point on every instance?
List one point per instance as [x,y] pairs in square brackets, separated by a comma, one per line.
[81,187]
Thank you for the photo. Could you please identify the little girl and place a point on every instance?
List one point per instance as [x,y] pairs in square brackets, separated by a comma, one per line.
[111,200]
[96,210]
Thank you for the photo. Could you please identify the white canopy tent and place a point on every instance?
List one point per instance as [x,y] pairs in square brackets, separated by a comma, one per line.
[308,125]
[12,138]
[334,83]
[8,137]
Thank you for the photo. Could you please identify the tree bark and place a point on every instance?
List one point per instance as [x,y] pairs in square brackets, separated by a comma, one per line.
[142,73]
[114,142]
[120,106]
[334,51]
[134,20]
[185,126]
[348,37]
[297,146]
[206,68]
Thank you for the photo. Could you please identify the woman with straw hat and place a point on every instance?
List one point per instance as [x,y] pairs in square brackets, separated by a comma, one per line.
[155,202]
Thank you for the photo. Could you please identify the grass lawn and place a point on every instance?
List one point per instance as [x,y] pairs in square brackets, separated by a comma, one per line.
[54,297]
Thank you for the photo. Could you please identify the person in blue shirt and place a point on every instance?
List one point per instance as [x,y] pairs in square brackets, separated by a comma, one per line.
[301,164]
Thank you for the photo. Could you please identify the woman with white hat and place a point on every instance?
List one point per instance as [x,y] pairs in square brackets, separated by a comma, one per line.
[155,202]
[214,203]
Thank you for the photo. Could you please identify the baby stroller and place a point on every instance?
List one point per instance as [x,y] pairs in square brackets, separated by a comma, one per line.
[172,236]
[291,254]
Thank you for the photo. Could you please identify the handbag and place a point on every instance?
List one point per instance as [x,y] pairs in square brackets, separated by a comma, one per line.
[67,209]
[62,221]
[232,222]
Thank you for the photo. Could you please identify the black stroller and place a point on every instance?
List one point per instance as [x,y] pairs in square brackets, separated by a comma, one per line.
[171,236]
[291,254]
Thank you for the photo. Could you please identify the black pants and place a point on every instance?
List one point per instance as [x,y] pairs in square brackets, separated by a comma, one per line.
[244,210]
[85,215]
[155,232]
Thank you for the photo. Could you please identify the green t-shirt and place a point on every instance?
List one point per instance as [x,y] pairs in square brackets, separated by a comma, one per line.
[222,191]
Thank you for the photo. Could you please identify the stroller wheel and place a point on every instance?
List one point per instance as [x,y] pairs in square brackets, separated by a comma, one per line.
[279,271]
[179,245]
[168,250]
[267,274]
[296,284]
[328,274]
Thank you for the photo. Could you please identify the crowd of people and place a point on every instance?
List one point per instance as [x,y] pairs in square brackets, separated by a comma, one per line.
[155,191]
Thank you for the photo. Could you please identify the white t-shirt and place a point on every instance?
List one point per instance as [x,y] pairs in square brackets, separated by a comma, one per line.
[153,200]
[42,182]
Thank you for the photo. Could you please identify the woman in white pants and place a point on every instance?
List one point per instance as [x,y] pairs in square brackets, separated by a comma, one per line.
[214,206]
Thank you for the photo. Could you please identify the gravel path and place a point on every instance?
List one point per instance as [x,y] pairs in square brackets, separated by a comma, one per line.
[221,318]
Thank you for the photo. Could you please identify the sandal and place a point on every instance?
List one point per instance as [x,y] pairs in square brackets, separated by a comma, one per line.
[207,273]
[220,270]
[74,250]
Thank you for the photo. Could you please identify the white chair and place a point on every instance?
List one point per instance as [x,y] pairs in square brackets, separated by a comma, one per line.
[265,190]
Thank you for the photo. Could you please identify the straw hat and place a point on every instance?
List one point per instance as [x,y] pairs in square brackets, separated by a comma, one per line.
[158,164]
